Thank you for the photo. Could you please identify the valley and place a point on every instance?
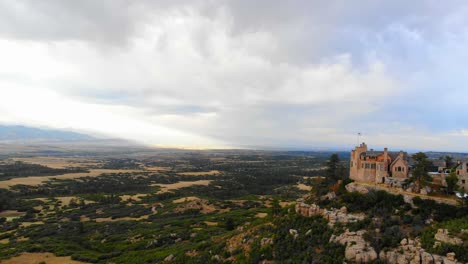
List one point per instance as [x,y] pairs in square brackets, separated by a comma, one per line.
[202,206]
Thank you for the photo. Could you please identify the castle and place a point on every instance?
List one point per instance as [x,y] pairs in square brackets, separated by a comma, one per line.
[462,174]
[393,168]
[372,166]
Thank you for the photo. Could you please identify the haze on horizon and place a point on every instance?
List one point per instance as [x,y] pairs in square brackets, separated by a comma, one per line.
[283,74]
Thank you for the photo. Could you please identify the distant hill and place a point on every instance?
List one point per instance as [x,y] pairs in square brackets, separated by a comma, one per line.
[23,133]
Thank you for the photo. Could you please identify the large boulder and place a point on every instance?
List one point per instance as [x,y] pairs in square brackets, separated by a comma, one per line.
[353,187]
[442,235]
[357,249]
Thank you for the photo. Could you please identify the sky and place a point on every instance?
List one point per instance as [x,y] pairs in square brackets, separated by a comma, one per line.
[234,74]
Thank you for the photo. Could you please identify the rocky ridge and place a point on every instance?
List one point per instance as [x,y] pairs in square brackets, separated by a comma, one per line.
[333,216]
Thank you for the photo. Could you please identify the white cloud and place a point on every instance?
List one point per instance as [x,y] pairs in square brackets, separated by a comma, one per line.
[42,107]
[217,73]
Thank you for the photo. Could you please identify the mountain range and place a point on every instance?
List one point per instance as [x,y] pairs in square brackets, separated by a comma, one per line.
[24,133]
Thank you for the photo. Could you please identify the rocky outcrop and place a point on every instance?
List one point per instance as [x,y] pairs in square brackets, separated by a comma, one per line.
[410,252]
[357,249]
[408,199]
[294,233]
[353,187]
[266,241]
[333,216]
[329,196]
[169,258]
[442,235]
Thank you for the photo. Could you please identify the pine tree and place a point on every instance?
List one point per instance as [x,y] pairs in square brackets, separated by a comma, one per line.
[452,181]
[421,170]
[335,170]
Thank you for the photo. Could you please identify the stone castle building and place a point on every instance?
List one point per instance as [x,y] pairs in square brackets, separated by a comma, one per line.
[462,174]
[378,166]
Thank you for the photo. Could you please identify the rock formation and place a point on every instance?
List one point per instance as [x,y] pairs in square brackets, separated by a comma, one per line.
[357,249]
[442,235]
[353,187]
[410,252]
[333,216]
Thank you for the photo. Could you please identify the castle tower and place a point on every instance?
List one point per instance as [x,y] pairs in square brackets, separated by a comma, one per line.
[355,161]
[382,167]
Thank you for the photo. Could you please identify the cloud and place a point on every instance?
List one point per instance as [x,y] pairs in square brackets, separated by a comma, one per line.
[239,73]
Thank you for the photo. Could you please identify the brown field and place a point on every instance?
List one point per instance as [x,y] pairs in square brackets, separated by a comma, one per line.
[284,204]
[208,223]
[135,197]
[181,184]
[109,219]
[198,173]
[45,200]
[186,199]
[26,224]
[261,215]
[36,180]
[303,187]
[11,214]
[65,201]
[198,204]
[157,168]
[35,258]
[59,163]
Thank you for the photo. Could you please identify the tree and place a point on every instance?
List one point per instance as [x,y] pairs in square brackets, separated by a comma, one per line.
[275,207]
[448,162]
[319,187]
[229,224]
[335,170]
[421,170]
[452,181]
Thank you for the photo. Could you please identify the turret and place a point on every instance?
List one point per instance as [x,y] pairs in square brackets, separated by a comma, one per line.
[355,160]
[385,154]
